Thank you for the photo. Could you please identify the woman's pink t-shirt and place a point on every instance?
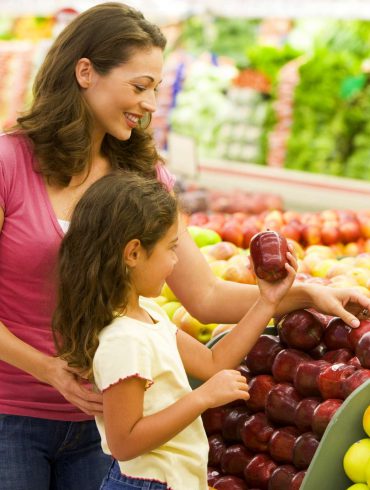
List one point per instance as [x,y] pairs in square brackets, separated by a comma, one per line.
[29,243]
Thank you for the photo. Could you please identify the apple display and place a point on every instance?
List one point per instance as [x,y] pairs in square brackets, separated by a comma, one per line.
[286,364]
[330,380]
[281,404]
[268,250]
[323,414]
[304,450]
[235,459]
[281,477]
[304,413]
[259,387]
[306,376]
[256,431]
[258,471]
[281,444]
[300,329]
[262,355]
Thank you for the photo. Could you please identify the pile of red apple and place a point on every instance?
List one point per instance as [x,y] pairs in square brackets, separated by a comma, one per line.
[350,229]
[297,381]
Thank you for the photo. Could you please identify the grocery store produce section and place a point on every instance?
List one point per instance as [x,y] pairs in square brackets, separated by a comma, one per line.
[274,113]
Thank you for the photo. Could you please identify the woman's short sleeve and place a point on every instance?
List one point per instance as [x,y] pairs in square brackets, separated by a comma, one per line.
[164,176]
[122,356]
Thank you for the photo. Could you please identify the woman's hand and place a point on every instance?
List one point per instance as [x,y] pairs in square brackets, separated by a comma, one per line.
[72,386]
[224,387]
[346,303]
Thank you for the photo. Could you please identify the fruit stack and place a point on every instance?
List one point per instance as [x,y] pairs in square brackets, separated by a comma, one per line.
[298,378]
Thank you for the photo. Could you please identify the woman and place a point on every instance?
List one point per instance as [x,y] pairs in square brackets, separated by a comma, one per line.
[93,95]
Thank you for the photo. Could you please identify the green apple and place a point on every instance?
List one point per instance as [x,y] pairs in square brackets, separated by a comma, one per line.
[170,307]
[203,236]
[218,267]
[168,293]
[356,460]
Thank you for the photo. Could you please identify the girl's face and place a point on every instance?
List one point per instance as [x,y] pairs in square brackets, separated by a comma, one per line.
[120,98]
[152,270]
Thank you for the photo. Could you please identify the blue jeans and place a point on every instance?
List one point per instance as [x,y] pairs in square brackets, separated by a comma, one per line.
[116,481]
[40,454]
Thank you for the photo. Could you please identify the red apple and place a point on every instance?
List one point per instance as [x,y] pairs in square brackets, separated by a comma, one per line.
[213,419]
[244,371]
[249,230]
[356,333]
[281,444]
[320,317]
[213,474]
[230,483]
[311,234]
[300,329]
[217,447]
[281,404]
[338,355]
[262,355]
[256,431]
[282,477]
[232,422]
[292,230]
[354,381]
[232,232]
[330,233]
[363,350]
[297,480]
[198,219]
[330,380]
[268,250]
[304,450]
[350,231]
[259,387]
[323,414]
[336,334]
[286,364]
[304,413]
[235,459]
[258,471]
[305,379]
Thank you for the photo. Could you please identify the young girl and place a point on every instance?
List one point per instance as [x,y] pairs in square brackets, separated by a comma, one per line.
[117,254]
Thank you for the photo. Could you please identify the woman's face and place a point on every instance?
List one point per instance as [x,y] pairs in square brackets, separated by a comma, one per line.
[120,98]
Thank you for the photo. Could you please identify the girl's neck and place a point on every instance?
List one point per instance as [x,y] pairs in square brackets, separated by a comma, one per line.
[134,310]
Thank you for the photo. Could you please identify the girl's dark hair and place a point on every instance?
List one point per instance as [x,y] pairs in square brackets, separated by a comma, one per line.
[58,122]
[93,279]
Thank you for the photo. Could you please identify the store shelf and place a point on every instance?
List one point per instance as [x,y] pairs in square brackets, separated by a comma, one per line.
[300,190]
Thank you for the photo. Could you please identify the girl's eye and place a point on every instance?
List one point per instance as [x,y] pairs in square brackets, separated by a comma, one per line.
[139,88]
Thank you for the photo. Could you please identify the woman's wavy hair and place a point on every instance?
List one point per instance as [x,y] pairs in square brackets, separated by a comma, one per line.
[58,121]
[94,282]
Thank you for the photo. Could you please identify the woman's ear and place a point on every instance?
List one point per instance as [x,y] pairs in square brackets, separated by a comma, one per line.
[131,253]
[84,72]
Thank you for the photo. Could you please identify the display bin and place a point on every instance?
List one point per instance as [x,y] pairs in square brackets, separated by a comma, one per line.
[345,428]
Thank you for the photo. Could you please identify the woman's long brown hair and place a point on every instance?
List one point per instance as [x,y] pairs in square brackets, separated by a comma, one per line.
[93,279]
[58,121]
